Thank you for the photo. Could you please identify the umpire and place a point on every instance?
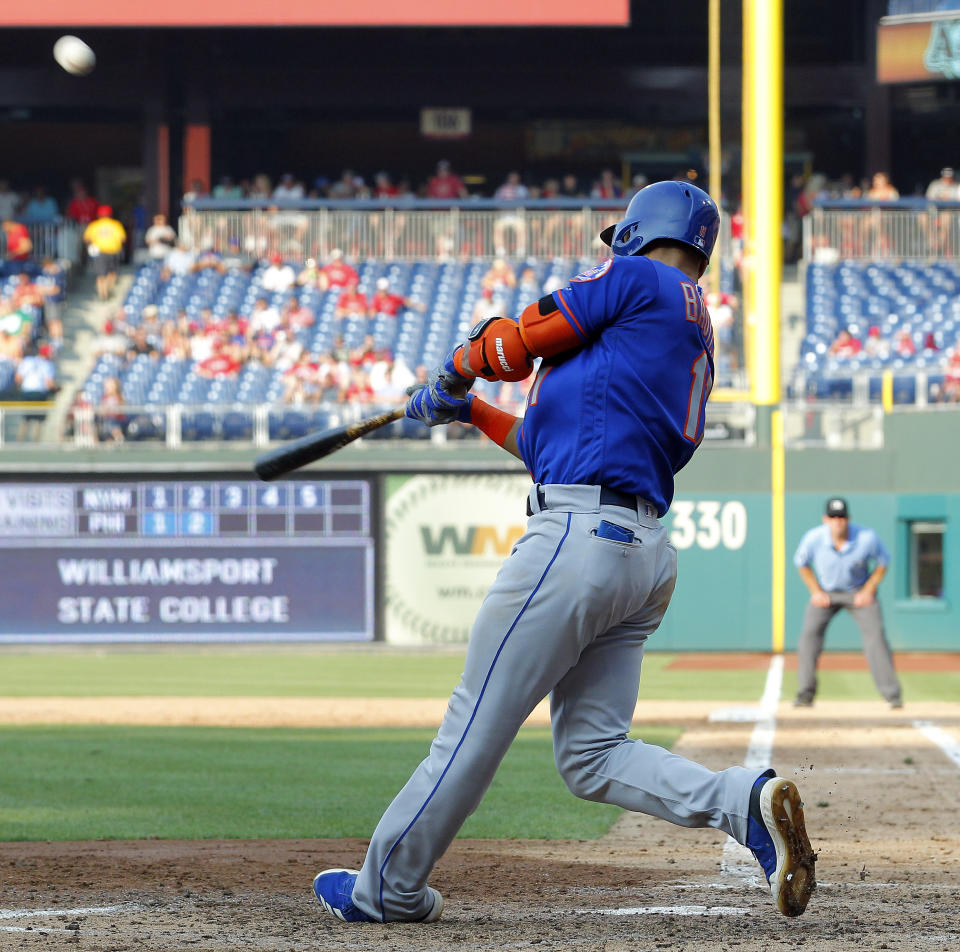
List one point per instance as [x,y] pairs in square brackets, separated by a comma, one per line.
[833,560]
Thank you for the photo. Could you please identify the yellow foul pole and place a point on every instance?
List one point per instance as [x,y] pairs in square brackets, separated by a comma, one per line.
[713,122]
[763,213]
[778,595]
[763,188]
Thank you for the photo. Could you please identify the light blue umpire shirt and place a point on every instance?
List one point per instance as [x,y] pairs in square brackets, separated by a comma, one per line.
[847,569]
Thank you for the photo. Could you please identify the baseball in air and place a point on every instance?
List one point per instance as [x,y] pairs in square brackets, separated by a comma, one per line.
[74,55]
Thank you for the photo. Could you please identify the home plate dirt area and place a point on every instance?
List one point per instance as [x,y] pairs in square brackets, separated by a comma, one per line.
[880,788]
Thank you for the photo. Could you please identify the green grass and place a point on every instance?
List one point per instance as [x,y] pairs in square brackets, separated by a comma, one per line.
[83,783]
[272,673]
[178,672]
[859,686]
[225,673]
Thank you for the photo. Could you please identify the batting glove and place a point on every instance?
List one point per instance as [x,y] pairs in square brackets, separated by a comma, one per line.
[434,404]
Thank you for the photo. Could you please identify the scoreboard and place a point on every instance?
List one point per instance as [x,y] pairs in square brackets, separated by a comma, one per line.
[198,560]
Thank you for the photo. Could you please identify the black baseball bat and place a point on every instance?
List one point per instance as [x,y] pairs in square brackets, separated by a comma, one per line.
[314,446]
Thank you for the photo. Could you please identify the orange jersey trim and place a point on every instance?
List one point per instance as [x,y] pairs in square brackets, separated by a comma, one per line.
[568,312]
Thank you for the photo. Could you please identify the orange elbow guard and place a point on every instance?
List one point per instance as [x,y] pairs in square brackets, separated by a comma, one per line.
[495,351]
[546,330]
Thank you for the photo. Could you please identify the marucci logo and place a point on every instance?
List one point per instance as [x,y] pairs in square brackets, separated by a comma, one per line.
[471,540]
[500,355]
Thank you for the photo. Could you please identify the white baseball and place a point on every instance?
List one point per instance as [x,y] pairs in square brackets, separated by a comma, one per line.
[74,55]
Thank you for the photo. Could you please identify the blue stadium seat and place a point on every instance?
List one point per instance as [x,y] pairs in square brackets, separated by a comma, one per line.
[202,425]
[237,425]
[288,424]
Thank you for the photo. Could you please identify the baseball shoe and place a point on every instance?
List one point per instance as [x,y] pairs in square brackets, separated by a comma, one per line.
[803,702]
[896,704]
[334,889]
[778,839]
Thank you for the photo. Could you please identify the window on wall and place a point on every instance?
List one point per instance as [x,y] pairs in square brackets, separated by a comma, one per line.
[926,559]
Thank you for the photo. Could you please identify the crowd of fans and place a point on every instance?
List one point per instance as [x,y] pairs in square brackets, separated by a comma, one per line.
[31,329]
[32,292]
[277,337]
[902,344]
[38,206]
[444,183]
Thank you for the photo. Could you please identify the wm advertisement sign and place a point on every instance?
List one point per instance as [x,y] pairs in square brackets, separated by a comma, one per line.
[446,538]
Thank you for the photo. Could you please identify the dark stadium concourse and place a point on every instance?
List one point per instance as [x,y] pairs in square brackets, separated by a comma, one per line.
[196,104]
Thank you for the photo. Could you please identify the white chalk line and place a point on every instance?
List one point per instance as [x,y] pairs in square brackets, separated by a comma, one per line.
[736,861]
[672,911]
[47,913]
[86,911]
[948,744]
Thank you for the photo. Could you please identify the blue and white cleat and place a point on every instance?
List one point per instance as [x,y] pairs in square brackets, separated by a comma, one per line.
[778,839]
[334,889]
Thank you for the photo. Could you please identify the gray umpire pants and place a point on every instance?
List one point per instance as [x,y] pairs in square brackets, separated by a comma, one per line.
[568,615]
[869,620]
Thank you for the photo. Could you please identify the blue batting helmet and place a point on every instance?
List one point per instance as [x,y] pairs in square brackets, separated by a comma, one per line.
[678,211]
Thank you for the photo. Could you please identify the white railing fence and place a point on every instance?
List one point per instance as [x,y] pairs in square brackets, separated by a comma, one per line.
[911,229]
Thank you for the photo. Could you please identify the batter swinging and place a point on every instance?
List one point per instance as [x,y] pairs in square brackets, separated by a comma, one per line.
[616,410]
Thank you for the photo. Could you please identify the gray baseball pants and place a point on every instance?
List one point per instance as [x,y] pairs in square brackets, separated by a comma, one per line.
[568,615]
[869,620]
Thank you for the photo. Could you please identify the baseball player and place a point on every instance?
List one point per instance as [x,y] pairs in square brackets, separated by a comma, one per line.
[617,408]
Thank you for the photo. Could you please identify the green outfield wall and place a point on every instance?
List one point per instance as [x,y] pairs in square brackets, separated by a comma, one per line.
[400,541]
[724,595]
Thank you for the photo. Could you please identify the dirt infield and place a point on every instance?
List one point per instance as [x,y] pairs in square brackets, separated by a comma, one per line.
[880,802]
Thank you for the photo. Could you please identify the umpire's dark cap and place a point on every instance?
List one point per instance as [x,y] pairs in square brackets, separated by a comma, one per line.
[837,507]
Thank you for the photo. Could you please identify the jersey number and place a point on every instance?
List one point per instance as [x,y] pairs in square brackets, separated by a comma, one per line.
[699,391]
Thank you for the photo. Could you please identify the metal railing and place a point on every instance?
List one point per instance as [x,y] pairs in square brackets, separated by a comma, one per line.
[824,423]
[834,426]
[398,231]
[180,425]
[258,425]
[409,230]
[909,229]
[61,240]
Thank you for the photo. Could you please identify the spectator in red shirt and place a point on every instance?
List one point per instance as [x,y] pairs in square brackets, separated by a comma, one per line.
[82,208]
[336,273]
[903,344]
[26,294]
[383,186]
[385,302]
[445,184]
[606,186]
[951,380]
[221,363]
[297,315]
[846,345]
[19,244]
[364,356]
[359,390]
[301,383]
[351,302]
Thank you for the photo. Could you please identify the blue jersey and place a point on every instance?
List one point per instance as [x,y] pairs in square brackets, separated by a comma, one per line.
[626,410]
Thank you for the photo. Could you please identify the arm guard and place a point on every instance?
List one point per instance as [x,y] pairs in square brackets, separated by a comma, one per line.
[546,330]
[494,350]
